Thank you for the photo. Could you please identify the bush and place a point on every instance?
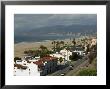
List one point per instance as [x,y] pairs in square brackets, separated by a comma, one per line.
[87,72]
[60,59]
[74,57]
[91,57]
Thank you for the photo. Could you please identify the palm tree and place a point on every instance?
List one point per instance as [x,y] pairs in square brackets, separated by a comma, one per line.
[62,42]
[57,45]
[88,48]
[83,42]
[74,42]
[54,42]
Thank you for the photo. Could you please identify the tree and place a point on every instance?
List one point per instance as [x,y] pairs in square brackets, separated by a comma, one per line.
[74,56]
[91,57]
[83,42]
[67,48]
[29,52]
[62,42]
[94,48]
[88,48]
[54,42]
[44,51]
[74,42]
[60,59]
[43,47]
[58,46]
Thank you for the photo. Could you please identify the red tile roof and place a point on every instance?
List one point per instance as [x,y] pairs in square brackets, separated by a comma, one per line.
[38,62]
[44,59]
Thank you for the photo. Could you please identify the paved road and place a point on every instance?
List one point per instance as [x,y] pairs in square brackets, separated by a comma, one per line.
[74,71]
[67,69]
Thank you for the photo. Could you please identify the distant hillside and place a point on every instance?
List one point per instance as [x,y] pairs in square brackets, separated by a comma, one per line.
[53,32]
[58,29]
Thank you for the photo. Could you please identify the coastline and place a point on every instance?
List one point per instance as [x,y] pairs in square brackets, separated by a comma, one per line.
[19,48]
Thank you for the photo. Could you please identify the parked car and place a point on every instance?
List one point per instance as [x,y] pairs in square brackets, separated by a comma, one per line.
[71,67]
[62,74]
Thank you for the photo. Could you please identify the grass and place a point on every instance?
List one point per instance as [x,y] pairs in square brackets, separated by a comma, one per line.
[87,72]
[91,70]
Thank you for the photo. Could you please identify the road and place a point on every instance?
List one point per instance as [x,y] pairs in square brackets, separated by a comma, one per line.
[67,69]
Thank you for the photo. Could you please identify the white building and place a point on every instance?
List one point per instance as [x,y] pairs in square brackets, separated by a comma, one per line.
[21,62]
[57,55]
[62,54]
[34,59]
[80,52]
[32,70]
[18,62]
[37,57]
[66,54]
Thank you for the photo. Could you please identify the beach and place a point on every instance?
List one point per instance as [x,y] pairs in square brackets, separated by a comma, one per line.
[19,48]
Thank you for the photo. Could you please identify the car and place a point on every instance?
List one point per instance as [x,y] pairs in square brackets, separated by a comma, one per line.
[62,74]
[71,68]
[71,65]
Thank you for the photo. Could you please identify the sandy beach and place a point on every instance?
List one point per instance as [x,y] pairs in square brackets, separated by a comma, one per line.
[19,48]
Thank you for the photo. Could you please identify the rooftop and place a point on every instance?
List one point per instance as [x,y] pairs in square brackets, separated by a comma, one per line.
[78,48]
[44,59]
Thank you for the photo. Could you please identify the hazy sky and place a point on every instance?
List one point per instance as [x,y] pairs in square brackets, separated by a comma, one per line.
[32,21]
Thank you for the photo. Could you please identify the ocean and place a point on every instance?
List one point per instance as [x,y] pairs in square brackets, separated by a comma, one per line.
[18,39]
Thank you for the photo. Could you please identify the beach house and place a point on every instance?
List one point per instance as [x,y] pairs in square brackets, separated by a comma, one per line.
[77,49]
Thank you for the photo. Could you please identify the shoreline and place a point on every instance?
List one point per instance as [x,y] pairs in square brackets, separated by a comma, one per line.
[19,48]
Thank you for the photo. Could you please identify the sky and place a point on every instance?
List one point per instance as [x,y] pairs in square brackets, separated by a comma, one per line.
[34,21]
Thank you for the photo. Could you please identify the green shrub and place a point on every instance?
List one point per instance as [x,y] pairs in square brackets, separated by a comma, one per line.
[74,57]
[87,72]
